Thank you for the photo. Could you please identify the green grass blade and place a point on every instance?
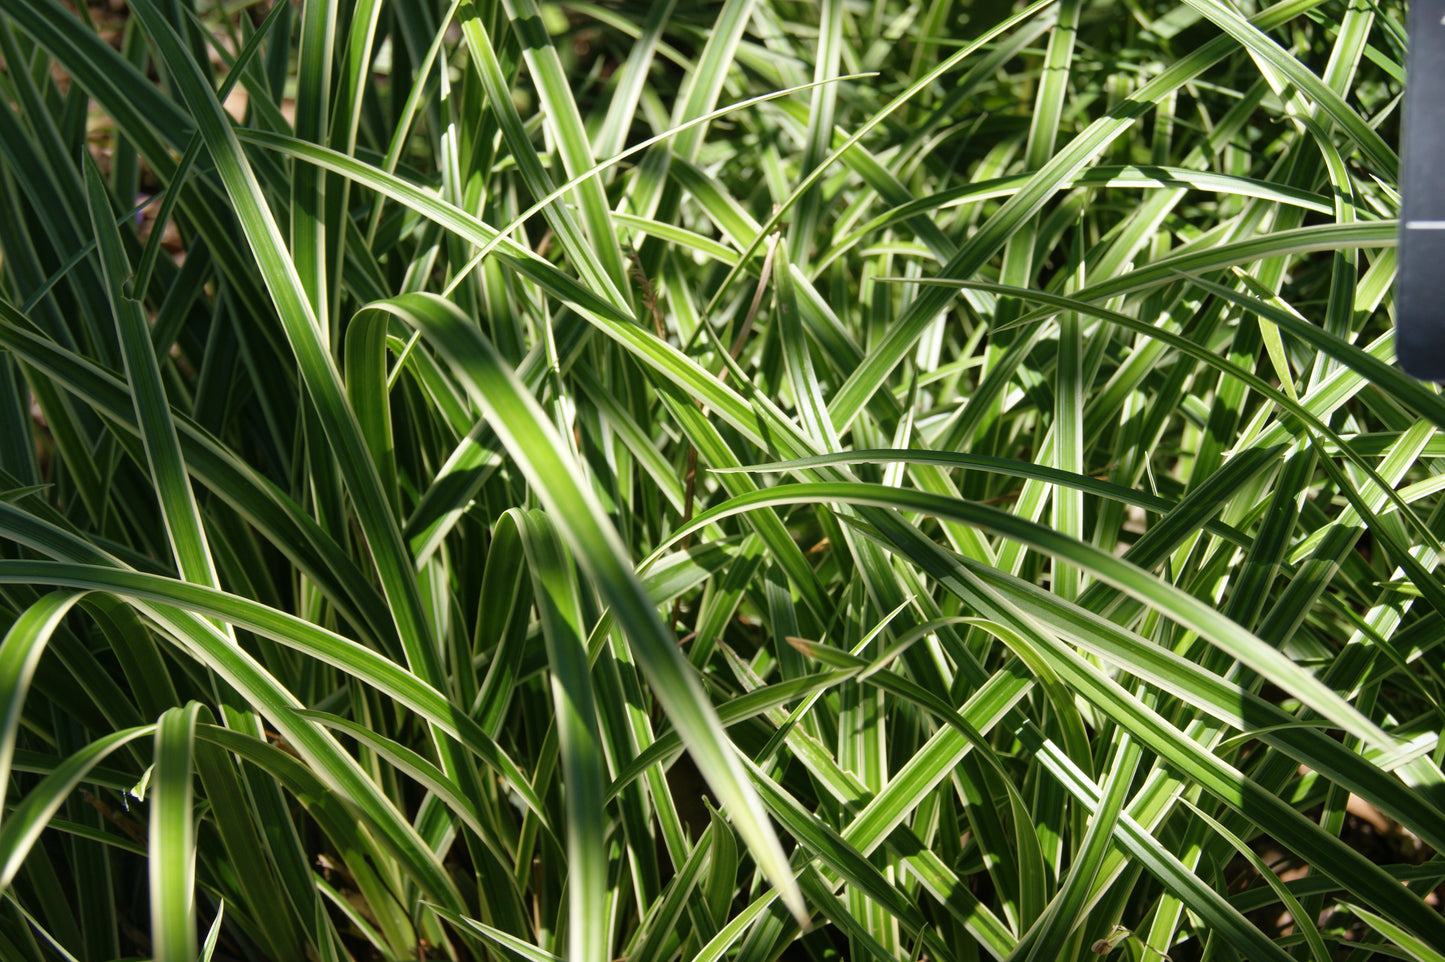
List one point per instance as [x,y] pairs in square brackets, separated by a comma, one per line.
[554,585]
[28,819]
[20,654]
[173,837]
[532,442]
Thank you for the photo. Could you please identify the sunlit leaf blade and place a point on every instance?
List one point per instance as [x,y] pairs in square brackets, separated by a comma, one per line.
[554,585]
[529,438]
[28,819]
[20,654]
[173,837]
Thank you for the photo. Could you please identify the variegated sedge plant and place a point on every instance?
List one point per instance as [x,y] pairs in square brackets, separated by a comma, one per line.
[750,480]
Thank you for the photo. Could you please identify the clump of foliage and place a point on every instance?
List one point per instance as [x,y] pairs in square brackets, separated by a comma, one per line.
[748,480]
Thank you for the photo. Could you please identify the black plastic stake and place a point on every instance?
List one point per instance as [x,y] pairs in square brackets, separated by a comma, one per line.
[1420,286]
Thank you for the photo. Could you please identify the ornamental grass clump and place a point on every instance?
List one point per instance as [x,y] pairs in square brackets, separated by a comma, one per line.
[754,480]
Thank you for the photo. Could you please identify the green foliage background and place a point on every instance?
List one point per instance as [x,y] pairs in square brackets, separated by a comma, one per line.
[749,480]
